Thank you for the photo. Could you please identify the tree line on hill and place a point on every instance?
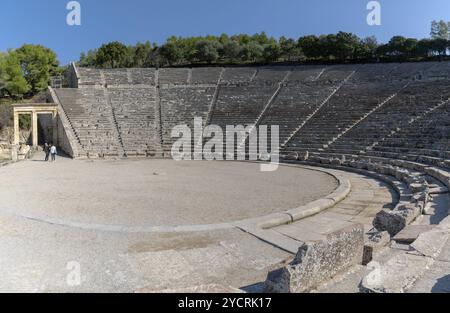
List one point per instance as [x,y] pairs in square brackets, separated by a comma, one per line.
[260,49]
[26,71]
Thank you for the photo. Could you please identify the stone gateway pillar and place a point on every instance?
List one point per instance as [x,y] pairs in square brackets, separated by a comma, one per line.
[16,128]
[34,109]
[34,127]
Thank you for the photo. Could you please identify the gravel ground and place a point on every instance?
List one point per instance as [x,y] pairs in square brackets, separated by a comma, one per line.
[154,192]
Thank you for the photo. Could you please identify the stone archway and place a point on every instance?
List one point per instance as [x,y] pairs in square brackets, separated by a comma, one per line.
[35,109]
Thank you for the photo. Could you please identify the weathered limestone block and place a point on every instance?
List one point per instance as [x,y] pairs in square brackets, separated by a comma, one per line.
[371,167]
[290,156]
[319,262]
[375,243]
[314,159]
[325,161]
[401,174]
[418,187]
[361,165]
[420,199]
[381,169]
[394,221]
[336,162]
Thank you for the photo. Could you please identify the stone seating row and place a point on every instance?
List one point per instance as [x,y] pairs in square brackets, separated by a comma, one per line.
[90,116]
[342,111]
[135,113]
[180,107]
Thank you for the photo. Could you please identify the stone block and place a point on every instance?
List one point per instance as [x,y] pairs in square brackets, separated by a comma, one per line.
[371,167]
[336,162]
[318,262]
[375,243]
[410,233]
[394,221]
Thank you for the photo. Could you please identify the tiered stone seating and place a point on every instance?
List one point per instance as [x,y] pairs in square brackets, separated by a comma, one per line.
[135,114]
[205,75]
[116,77]
[90,117]
[89,77]
[301,74]
[428,136]
[173,76]
[437,71]
[409,71]
[273,75]
[142,76]
[294,104]
[408,104]
[337,72]
[361,118]
[179,106]
[241,104]
[374,72]
[238,75]
[342,111]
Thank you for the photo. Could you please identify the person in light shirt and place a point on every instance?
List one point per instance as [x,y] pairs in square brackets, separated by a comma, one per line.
[53,152]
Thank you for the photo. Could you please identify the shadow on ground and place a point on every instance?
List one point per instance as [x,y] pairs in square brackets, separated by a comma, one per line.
[442,285]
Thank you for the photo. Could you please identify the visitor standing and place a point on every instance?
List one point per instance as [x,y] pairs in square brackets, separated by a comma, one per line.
[53,152]
[46,151]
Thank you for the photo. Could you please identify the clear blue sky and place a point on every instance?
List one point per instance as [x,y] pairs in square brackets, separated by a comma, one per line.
[130,21]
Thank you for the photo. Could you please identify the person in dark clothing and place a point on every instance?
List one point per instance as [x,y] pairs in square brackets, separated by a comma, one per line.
[47,151]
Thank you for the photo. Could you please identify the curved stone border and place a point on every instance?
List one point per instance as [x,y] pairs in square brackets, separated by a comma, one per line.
[262,223]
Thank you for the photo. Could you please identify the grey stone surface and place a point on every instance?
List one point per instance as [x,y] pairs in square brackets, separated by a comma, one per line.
[394,221]
[127,193]
[410,233]
[374,245]
[396,275]
[318,262]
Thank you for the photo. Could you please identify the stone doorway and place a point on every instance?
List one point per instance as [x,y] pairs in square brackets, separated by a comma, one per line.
[43,117]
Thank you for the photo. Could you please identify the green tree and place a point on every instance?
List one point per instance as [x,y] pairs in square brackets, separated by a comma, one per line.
[345,45]
[38,65]
[396,45]
[409,48]
[207,51]
[112,55]
[310,46]
[271,51]
[440,46]
[367,48]
[424,47]
[88,59]
[12,80]
[6,115]
[290,50]
[440,30]
[171,53]
[251,52]
[141,55]
[230,50]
